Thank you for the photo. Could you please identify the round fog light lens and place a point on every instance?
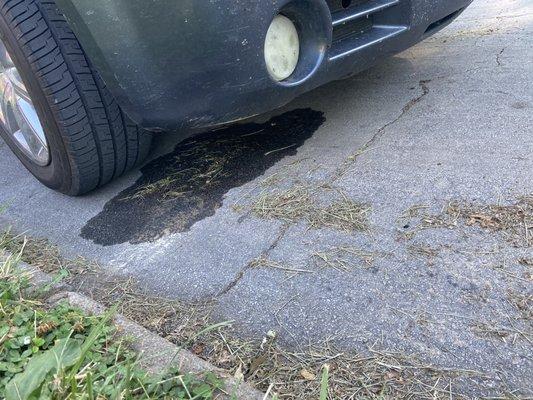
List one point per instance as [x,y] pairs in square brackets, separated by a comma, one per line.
[282,48]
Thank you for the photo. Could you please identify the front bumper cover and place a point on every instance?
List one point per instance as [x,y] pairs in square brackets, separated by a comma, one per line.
[192,63]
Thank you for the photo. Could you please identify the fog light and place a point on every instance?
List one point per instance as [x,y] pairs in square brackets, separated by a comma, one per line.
[282,48]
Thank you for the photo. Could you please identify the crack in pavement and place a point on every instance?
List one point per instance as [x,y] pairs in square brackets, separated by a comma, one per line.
[242,272]
[499,56]
[340,171]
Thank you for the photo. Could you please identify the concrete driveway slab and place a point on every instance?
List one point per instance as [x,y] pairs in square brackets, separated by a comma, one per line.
[436,145]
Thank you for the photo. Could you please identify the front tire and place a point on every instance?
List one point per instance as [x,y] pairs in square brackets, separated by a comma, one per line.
[89,140]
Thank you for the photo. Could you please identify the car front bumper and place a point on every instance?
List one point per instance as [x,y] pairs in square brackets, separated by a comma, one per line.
[193,63]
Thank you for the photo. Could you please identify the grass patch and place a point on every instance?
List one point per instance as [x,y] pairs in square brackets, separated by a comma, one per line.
[174,320]
[58,351]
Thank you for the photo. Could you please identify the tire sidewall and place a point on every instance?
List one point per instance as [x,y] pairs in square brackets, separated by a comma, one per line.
[58,173]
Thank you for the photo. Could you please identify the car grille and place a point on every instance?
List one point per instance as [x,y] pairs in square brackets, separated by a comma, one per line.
[351,28]
[358,24]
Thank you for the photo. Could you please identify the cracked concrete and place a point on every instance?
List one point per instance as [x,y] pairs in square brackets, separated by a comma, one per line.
[265,254]
[381,131]
[388,141]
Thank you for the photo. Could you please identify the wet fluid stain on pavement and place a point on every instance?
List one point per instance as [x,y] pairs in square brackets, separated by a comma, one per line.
[187,185]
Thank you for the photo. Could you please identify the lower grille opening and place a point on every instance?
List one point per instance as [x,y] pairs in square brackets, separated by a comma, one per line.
[361,23]
[351,28]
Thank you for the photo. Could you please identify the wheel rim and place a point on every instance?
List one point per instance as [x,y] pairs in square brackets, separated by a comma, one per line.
[17,113]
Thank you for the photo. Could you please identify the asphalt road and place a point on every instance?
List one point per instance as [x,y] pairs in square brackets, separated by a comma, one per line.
[448,121]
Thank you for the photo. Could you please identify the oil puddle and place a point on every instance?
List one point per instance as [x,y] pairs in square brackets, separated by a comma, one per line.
[187,185]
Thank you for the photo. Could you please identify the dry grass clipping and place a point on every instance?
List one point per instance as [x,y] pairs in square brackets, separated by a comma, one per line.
[422,250]
[526,261]
[345,215]
[414,211]
[344,258]
[41,254]
[298,204]
[263,262]
[373,375]
[523,303]
[515,221]
[517,326]
[507,334]
[289,206]
[207,170]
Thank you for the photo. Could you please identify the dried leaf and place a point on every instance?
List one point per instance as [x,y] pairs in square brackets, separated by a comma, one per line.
[307,375]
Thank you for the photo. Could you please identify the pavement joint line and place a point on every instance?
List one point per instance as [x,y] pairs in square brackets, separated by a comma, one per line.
[245,269]
[156,353]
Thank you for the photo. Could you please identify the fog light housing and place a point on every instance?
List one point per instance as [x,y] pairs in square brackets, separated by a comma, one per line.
[282,48]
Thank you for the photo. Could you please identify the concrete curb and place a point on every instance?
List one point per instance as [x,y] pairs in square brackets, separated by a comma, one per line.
[156,353]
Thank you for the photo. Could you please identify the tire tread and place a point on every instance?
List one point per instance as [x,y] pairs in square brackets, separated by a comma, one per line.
[101,142]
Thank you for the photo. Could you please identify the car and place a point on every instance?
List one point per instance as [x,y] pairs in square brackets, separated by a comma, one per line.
[85,84]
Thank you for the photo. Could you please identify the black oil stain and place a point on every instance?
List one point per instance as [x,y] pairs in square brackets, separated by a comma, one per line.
[187,185]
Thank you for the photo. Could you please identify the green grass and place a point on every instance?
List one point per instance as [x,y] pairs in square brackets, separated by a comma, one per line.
[324,382]
[59,352]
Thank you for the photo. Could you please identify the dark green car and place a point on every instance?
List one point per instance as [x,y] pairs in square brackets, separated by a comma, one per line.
[85,84]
